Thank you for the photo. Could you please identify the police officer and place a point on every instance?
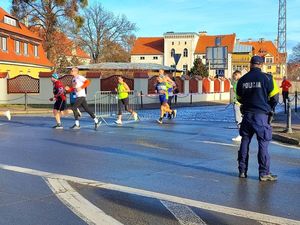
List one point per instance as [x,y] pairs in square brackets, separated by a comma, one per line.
[258,94]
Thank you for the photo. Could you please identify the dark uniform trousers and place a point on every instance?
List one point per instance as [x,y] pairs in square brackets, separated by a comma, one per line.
[254,123]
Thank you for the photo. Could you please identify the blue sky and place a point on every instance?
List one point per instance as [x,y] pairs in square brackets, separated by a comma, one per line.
[248,19]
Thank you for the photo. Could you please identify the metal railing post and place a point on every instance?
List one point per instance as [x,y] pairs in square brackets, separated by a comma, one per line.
[289,117]
[296,101]
[26,101]
[142,100]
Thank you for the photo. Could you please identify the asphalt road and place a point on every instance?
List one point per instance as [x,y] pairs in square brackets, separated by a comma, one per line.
[181,172]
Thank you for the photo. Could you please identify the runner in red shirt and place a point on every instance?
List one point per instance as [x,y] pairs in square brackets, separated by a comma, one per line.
[59,107]
[285,85]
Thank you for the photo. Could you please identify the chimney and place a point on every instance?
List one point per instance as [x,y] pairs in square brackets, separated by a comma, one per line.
[249,39]
[261,39]
[25,21]
[276,43]
[202,33]
[237,41]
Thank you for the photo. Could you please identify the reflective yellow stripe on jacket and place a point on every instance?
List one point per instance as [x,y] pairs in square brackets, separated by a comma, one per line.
[275,90]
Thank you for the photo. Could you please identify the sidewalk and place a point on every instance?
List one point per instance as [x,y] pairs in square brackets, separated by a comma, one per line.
[20,109]
[279,128]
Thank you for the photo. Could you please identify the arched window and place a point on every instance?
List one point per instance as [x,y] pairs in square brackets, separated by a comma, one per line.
[185,52]
[172,52]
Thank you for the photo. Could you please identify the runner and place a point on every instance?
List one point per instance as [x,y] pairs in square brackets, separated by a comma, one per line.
[123,99]
[170,86]
[79,84]
[7,114]
[161,89]
[236,105]
[59,107]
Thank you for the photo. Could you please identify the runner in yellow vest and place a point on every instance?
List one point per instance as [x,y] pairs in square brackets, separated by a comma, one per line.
[123,99]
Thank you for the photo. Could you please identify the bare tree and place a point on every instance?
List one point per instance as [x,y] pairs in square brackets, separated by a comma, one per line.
[295,56]
[105,35]
[46,15]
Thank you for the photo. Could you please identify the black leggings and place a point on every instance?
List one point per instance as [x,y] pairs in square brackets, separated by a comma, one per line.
[125,102]
[81,101]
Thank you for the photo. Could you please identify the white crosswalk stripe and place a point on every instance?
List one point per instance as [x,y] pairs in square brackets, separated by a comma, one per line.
[183,214]
[78,204]
[160,196]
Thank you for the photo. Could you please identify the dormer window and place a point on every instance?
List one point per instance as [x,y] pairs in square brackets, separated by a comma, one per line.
[218,41]
[10,21]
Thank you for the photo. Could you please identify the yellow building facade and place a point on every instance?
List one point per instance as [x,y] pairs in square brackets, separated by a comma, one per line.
[21,51]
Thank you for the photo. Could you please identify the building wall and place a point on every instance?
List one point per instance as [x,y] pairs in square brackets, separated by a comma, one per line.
[16,69]
[241,61]
[147,59]
[212,72]
[179,42]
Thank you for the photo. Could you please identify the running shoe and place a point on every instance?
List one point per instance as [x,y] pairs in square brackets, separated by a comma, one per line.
[242,175]
[75,127]
[97,124]
[135,116]
[159,121]
[58,126]
[169,116]
[237,138]
[269,177]
[118,122]
[8,115]
[174,113]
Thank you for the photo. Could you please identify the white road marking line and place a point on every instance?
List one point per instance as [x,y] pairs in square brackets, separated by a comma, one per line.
[78,204]
[183,214]
[217,143]
[185,201]
[284,145]
[264,223]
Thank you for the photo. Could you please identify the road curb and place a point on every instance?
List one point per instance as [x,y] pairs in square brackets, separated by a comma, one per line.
[284,139]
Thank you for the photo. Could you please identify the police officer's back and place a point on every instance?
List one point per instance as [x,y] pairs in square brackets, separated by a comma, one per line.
[258,94]
[257,91]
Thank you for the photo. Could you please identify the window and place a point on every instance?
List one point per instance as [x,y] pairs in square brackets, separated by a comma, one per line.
[35,50]
[155,58]
[17,47]
[185,42]
[172,52]
[218,41]
[178,42]
[25,48]
[269,60]
[3,43]
[269,67]
[185,69]
[10,21]
[172,42]
[185,52]
[142,58]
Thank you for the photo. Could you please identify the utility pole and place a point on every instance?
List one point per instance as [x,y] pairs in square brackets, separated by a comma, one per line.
[281,38]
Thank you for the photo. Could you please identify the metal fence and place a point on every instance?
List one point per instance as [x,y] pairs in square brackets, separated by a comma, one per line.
[106,103]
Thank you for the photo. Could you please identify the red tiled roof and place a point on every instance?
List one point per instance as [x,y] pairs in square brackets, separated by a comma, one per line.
[93,74]
[3,74]
[210,41]
[148,46]
[20,29]
[65,45]
[263,48]
[22,33]
[45,74]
